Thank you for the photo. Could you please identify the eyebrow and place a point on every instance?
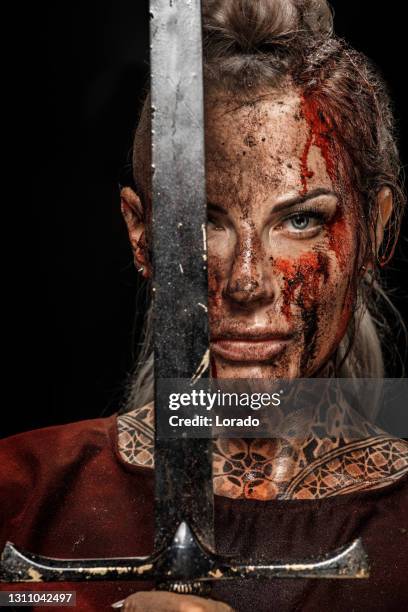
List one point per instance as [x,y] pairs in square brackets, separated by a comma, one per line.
[216,208]
[320,191]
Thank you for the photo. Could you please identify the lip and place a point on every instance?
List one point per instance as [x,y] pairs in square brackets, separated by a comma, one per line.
[250,348]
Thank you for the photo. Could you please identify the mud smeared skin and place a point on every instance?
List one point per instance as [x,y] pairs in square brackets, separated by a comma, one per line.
[321,134]
[311,324]
[263,274]
[302,285]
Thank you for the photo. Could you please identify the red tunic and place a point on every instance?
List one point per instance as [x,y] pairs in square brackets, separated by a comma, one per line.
[66,492]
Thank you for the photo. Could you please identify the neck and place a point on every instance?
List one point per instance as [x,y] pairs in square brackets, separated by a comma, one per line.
[267,468]
[321,458]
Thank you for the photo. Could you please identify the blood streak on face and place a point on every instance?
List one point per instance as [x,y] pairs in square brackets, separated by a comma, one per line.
[281,237]
[303,286]
[321,135]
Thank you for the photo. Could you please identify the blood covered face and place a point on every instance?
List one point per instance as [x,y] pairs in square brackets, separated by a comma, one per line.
[281,237]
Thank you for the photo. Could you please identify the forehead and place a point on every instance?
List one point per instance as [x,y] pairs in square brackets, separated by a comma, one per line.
[261,148]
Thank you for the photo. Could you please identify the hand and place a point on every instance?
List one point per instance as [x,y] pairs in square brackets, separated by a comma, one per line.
[161,601]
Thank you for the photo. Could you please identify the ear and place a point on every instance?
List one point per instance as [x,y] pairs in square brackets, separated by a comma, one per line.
[133,214]
[385,206]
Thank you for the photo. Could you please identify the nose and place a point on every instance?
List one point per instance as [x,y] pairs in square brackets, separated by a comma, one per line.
[249,283]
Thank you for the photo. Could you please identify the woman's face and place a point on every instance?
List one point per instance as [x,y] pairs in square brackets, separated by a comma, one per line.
[281,238]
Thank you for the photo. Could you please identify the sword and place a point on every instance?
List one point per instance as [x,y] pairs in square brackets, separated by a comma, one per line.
[184,560]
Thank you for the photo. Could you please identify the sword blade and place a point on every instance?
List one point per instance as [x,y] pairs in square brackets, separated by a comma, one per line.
[183,471]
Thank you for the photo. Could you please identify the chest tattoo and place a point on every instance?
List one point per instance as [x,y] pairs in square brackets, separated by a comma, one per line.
[315,467]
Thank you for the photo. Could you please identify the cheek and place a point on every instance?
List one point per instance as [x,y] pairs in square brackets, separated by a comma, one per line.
[216,271]
[221,250]
[321,275]
[315,294]
[342,242]
[304,281]
[316,304]
[342,245]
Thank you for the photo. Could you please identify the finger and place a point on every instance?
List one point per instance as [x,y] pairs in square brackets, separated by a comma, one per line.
[218,606]
[197,604]
[171,602]
[157,601]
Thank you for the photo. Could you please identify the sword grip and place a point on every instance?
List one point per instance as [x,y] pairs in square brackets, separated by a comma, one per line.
[201,589]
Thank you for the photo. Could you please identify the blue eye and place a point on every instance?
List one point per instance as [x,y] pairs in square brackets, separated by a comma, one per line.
[300,222]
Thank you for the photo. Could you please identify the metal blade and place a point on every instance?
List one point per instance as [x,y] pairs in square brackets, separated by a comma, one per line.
[183,470]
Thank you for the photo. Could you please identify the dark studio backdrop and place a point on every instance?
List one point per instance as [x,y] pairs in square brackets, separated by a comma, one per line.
[76,95]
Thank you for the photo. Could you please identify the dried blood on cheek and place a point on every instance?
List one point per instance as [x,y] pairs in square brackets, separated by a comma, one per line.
[304,281]
[306,274]
[340,240]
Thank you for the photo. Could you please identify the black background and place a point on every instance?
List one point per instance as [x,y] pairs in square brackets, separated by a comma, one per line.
[78,73]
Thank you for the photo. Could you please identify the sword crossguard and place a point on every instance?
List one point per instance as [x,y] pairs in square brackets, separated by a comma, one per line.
[185,566]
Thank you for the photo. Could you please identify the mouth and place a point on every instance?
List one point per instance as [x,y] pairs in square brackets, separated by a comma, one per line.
[250,348]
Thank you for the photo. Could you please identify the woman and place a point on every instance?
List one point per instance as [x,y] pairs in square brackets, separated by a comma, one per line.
[304,208]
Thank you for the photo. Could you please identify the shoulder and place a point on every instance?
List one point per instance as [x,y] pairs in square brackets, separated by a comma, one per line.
[361,465]
[24,455]
[136,436]
[34,464]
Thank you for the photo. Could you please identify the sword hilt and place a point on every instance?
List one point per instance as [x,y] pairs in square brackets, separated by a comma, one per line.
[185,566]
